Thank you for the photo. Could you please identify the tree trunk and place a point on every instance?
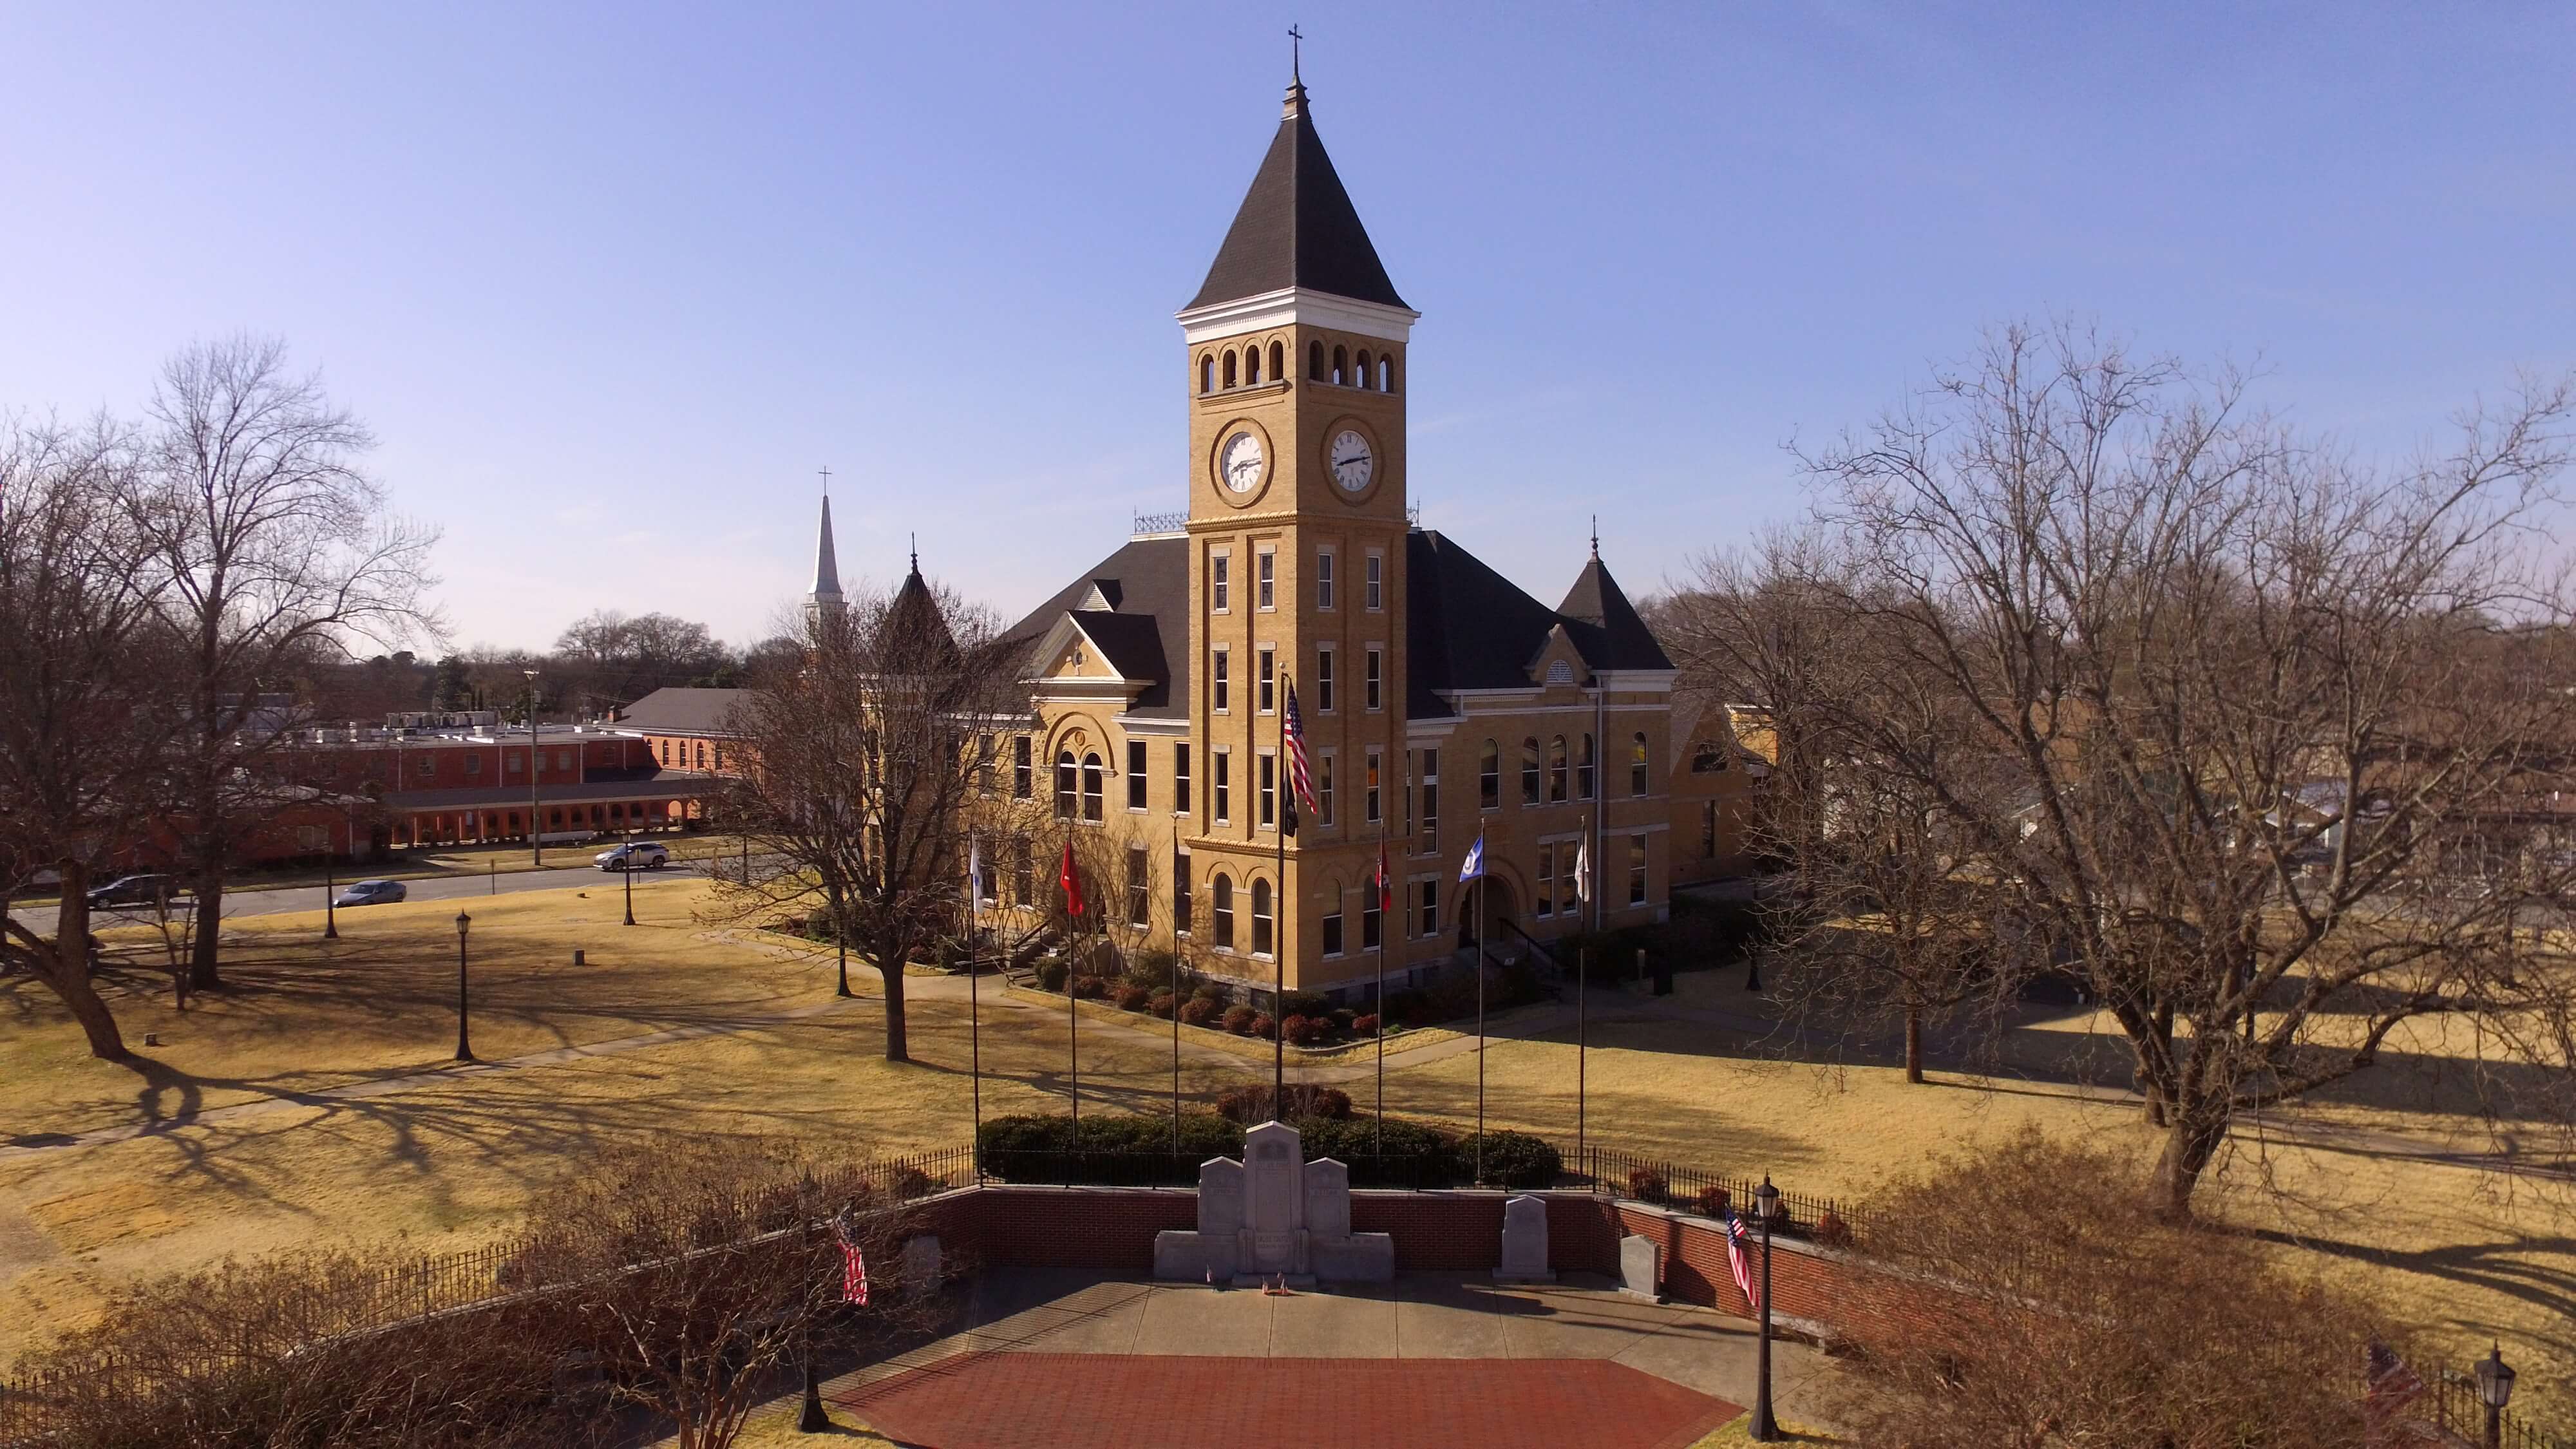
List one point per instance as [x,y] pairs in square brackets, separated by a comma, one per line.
[1914,1044]
[70,975]
[208,884]
[897,1045]
[2192,1141]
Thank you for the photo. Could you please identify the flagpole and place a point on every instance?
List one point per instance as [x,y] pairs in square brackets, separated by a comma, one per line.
[974,1016]
[1379,885]
[1072,1016]
[1476,894]
[1279,808]
[1582,960]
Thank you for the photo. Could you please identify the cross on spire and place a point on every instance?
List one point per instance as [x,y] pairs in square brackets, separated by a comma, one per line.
[827,480]
[1596,535]
[916,553]
[1296,43]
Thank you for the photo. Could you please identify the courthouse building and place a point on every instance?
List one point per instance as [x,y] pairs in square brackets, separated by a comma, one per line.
[1440,701]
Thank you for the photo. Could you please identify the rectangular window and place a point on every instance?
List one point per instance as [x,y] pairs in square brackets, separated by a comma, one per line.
[511,764]
[563,758]
[984,762]
[1374,584]
[1023,877]
[1265,579]
[1708,831]
[1568,896]
[1333,924]
[1324,679]
[1431,802]
[1430,905]
[1369,794]
[1637,765]
[1220,583]
[1636,870]
[1181,890]
[1219,682]
[1324,788]
[1265,687]
[1266,771]
[1373,695]
[429,763]
[1489,778]
[473,763]
[1140,900]
[1136,775]
[1222,764]
[1372,925]
[1180,777]
[1545,904]
[1583,771]
[1224,912]
[1323,578]
[1020,780]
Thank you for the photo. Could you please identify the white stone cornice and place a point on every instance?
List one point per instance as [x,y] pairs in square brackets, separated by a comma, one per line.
[1291,305]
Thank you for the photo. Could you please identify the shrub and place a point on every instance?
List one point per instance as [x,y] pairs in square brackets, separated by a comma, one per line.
[1364,1025]
[1712,1202]
[1415,1156]
[1645,1184]
[1089,988]
[1130,998]
[1343,1016]
[1305,1030]
[1117,1149]
[1263,1027]
[1160,1004]
[1209,991]
[1198,1011]
[1239,1019]
[1150,968]
[1051,973]
[1304,1003]
[1250,1105]
[1408,1007]
[1832,1231]
[1516,1159]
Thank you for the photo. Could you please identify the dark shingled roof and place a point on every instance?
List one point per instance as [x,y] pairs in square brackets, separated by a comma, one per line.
[1149,583]
[1297,227]
[677,711]
[915,615]
[1467,627]
[1605,625]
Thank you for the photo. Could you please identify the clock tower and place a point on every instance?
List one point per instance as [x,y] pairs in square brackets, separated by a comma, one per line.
[1295,357]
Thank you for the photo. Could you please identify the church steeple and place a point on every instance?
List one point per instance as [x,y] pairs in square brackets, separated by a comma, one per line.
[827,569]
[1297,227]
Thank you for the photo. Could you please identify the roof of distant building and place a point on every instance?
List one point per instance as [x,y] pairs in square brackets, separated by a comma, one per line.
[681,711]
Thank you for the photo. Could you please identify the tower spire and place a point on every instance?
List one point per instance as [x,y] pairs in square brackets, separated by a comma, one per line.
[827,567]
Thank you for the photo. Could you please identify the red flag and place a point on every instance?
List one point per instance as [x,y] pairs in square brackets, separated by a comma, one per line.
[1071,882]
[1385,887]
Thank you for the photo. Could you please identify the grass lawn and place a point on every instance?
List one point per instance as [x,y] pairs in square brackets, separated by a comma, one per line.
[2463,1253]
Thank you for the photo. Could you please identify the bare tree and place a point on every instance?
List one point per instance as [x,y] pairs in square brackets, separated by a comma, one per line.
[2217,718]
[860,765]
[2053,1308]
[272,547]
[83,728]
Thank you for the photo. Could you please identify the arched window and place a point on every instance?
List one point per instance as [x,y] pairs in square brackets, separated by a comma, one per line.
[1489,778]
[1365,375]
[1315,361]
[1207,372]
[1583,769]
[1065,785]
[1386,374]
[1229,368]
[1261,918]
[1529,770]
[1091,787]
[1341,366]
[1637,766]
[1556,769]
[1278,363]
[1252,364]
[1221,891]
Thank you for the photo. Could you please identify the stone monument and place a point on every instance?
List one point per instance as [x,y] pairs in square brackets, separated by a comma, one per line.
[1637,1275]
[1274,1216]
[1524,1242]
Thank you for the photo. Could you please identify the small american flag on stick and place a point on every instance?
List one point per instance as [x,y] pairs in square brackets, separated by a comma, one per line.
[1737,1263]
[854,1266]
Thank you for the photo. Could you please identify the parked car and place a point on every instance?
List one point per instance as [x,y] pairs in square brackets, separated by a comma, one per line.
[135,890]
[633,855]
[371,893]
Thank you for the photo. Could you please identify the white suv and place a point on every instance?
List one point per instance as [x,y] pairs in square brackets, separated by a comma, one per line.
[635,855]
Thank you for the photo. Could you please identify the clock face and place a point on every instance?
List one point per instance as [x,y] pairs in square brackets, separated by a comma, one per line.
[1353,460]
[1239,461]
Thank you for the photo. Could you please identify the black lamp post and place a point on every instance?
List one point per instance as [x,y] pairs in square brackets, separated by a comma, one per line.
[813,1420]
[464,1046]
[1765,1428]
[2495,1390]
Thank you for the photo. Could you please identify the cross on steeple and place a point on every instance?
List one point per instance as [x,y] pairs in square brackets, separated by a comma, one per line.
[1596,535]
[916,553]
[1296,43]
[827,480]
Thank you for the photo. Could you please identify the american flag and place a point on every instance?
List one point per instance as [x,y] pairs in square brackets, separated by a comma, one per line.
[1292,737]
[854,1268]
[1741,1266]
[2392,1385]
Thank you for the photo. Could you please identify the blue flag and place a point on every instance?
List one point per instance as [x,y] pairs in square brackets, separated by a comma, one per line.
[1474,865]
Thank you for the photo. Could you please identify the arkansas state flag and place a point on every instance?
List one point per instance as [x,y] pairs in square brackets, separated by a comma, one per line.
[1072,883]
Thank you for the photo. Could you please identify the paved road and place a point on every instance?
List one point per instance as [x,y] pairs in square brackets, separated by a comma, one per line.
[40,919]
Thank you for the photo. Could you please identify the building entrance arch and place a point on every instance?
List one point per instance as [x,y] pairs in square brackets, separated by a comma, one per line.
[1488,903]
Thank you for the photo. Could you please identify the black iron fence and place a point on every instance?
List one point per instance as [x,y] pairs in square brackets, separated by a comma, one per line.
[1695,1190]
[2451,1404]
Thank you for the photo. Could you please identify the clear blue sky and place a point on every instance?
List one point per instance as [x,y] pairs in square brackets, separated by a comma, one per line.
[612,282]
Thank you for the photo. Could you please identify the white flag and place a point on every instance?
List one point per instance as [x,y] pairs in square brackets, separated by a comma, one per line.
[1583,869]
[974,868]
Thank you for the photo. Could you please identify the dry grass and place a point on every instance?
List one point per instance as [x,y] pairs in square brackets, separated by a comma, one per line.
[2464,1253]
